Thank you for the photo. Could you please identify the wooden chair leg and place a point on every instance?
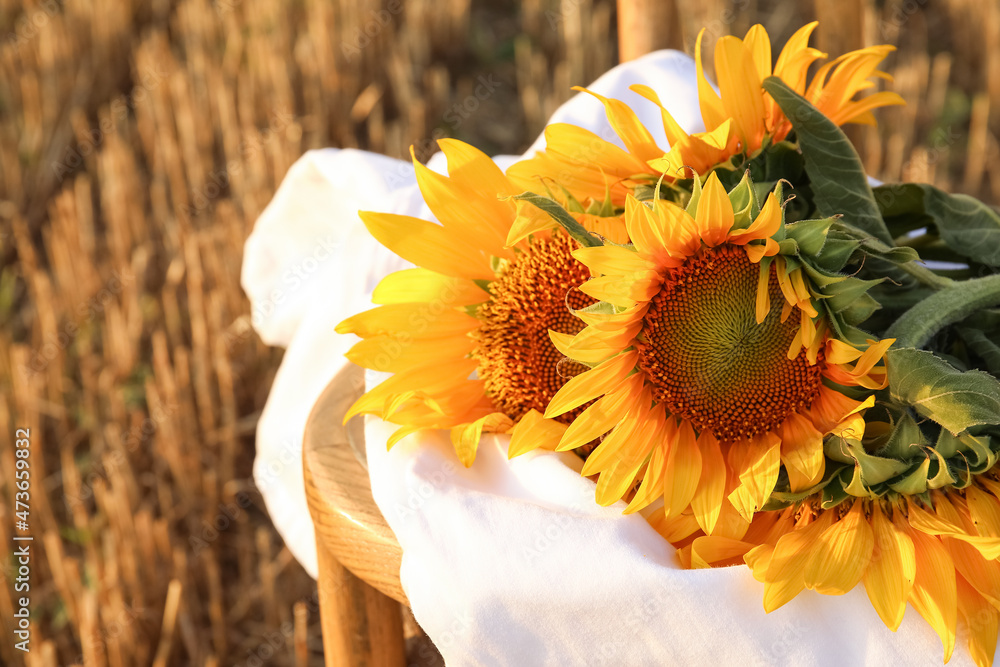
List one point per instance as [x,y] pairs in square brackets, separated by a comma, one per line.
[361,626]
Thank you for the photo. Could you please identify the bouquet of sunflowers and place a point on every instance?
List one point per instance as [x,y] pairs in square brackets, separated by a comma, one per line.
[741,337]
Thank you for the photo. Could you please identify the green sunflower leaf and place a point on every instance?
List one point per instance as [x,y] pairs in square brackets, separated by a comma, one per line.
[810,234]
[939,475]
[906,441]
[834,492]
[915,482]
[837,251]
[836,175]
[851,296]
[954,399]
[967,225]
[561,216]
[875,247]
[875,469]
[692,205]
[980,343]
[743,198]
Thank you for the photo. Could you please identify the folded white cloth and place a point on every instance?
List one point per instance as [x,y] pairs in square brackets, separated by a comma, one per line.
[511,562]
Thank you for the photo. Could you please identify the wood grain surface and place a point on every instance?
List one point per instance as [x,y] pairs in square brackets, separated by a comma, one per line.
[347,521]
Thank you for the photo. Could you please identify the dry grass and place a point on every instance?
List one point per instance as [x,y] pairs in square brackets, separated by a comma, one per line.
[138,143]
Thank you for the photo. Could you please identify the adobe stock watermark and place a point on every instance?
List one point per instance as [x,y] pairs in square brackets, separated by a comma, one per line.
[720,24]
[218,181]
[423,491]
[87,312]
[453,117]
[131,440]
[118,110]
[375,22]
[113,630]
[233,511]
[899,16]
[27,27]
[226,6]
[292,279]
[228,514]
[459,112]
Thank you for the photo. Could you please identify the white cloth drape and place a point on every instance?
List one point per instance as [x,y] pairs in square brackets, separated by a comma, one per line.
[511,562]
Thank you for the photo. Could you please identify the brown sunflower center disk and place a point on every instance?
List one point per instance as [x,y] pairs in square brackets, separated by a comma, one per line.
[518,362]
[709,360]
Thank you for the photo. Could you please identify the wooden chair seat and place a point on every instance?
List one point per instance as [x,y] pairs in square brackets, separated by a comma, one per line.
[359,557]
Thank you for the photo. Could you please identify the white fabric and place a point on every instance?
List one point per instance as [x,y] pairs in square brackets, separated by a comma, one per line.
[511,562]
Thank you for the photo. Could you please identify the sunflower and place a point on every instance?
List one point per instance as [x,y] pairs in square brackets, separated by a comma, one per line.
[938,551]
[740,119]
[711,363]
[465,333]
[941,557]
[912,520]
[741,66]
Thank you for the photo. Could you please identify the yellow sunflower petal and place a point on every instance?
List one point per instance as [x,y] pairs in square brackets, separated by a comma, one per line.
[889,577]
[427,244]
[471,218]
[932,524]
[758,475]
[712,111]
[533,431]
[603,415]
[982,574]
[637,139]
[934,594]
[765,225]
[471,168]
[622,438]
[624,292]
[801,452]
[671,127]
[614,482]
[841,555]
[796,57]
[709,550]
[613,260]
[984,510]
[417,320]
[591,384]
[740,89]
[715,212]
[420,285]
[465,438]
[401,433]
[391,354]
[785,576]
[684,466]
[762,305]
[584,163]
[758,44]
[529,220]
[759,559]
[709,496]
[983,622]
[652,482]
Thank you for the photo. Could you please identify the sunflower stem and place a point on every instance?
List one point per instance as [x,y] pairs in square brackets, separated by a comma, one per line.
[951,304]
[925,276]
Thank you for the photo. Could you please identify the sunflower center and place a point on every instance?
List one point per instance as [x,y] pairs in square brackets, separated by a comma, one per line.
[518,362]
[708,359]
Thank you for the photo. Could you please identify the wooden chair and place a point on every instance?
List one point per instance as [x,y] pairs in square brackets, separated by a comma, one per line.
[359,557]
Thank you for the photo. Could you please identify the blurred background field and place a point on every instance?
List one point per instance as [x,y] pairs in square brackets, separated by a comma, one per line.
[138,143]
